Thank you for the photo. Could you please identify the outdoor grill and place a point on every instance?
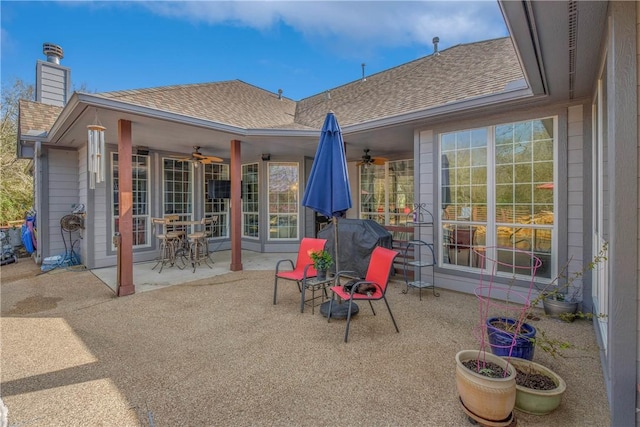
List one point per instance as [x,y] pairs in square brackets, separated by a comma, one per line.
[356,239]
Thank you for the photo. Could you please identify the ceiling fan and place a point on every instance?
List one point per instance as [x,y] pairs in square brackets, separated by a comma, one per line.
[197,157]
[367,159]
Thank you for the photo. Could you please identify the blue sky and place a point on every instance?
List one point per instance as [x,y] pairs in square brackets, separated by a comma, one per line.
[301,47]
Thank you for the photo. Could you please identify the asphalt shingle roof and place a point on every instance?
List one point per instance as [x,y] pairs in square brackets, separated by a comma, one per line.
[230,102]
[461,72]
[458,73]
[37,118]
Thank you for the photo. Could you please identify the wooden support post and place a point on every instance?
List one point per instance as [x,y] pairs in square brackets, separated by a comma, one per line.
[125,219]
[236,207]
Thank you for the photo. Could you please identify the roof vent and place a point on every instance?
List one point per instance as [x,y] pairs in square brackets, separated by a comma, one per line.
[53,51]
[279,93]
[363,77]
[435,41]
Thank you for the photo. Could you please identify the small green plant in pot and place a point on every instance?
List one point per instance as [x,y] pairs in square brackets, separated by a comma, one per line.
[561,297]
[322,261]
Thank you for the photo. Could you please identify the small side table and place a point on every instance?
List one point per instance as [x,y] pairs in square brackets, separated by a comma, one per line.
[314,284]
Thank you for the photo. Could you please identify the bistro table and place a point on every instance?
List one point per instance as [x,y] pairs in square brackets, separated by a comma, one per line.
[191,247]
[315,284]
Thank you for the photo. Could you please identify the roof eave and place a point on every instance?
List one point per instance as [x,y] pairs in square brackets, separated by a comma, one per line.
[80,101]
[519,18]
[441,110]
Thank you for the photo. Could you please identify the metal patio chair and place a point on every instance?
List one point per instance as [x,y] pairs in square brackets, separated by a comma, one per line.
[378,275]
[303,267]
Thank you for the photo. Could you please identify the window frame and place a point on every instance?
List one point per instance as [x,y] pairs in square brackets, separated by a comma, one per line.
[491,222]
[255,215]
[221,228]
[295,204]
[114,195]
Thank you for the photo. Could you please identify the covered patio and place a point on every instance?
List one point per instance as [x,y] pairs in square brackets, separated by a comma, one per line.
[216,351]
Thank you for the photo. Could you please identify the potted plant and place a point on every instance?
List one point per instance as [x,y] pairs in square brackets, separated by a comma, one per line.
[476,392]
[561,297]
[539,390]
[486,385]
[322,261]
[511,337]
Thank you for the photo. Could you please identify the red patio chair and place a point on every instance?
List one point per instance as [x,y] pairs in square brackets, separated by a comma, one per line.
[378,274]
[303,267]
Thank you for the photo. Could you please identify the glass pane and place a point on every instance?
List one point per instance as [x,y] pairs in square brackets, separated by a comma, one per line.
[522,152]
[463,140]
[504,154]
[283,200]
[522,132]
[542,150]
[479,137]
[448,142]
[479,157]
[523,193]
[504,134]
[504,174]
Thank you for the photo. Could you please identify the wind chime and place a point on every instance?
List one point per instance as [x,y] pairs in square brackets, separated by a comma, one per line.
[95,152]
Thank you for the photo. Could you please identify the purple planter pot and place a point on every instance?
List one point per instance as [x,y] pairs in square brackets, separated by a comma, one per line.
[501,341]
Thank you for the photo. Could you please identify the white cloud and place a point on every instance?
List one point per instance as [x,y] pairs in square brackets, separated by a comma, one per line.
[383,23]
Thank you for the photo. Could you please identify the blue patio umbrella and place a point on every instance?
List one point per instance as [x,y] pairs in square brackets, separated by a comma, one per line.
[328,191]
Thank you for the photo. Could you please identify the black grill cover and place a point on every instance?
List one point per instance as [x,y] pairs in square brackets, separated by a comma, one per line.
[356,240]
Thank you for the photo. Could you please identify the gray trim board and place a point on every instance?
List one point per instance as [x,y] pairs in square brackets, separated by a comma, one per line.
[623,182]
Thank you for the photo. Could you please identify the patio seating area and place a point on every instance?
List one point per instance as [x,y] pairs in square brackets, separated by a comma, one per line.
[217,351]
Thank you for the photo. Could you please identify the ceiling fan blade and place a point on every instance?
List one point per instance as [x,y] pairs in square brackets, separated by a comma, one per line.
[201,156]
[207,160]
[180,158]
[379,161]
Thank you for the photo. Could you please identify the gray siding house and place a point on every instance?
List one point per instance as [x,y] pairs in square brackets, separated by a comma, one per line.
[528,143]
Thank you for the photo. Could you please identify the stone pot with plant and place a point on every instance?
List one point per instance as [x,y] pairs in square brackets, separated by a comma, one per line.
[486,385]
[539,390]
[561,297]
[322,261]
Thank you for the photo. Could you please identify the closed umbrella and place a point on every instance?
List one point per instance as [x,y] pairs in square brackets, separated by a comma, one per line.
[328,191]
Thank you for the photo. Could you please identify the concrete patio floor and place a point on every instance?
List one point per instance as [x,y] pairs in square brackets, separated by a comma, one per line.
[217,352]
[146,278]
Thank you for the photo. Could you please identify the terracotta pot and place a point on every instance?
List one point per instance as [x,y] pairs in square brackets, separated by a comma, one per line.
[537,402]
[491,399]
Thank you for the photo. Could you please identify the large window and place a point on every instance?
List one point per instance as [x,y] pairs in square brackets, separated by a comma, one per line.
[140,186]
[283,200]
[216,207]
[386,192]
[177,189]
[250,200]
[497,190]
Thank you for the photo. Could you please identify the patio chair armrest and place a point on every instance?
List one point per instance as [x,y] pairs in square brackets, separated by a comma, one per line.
[304,273]
[344,273]
[281,261]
